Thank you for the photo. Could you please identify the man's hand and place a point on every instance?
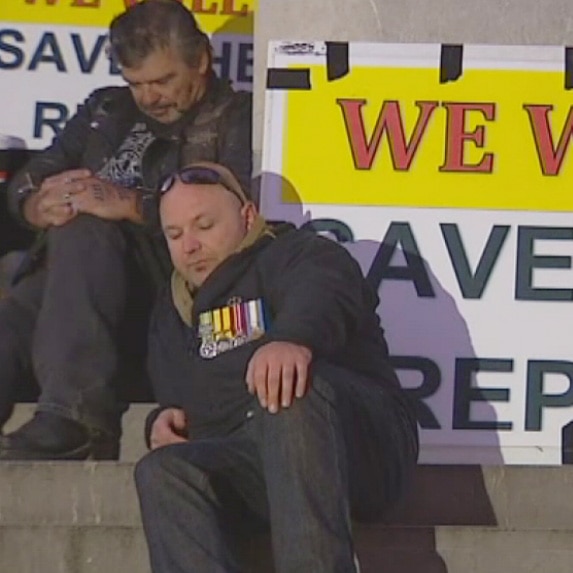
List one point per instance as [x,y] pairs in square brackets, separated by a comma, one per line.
[170,427]
[277,372]
[105,200]
[52,204]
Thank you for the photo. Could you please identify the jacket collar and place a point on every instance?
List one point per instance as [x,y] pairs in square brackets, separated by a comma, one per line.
[213,91]
[183,293]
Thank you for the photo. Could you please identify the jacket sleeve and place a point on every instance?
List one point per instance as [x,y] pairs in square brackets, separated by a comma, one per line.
[319,297]
[159,349]
[65,152]
[235,138]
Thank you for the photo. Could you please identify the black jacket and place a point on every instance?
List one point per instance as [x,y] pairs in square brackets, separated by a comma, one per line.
[314,294]
[218,128]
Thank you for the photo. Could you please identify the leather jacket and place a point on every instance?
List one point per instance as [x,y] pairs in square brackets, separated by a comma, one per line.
[217,128]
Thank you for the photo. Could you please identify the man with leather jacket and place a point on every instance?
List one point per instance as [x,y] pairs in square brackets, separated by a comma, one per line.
[76,317]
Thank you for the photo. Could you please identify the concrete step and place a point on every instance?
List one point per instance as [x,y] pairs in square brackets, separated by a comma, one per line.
[83,517]
[90,549]
[102,494]
[59,549]
[132,442]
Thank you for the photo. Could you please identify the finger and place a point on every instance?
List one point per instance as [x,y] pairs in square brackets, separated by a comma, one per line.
[249,376]
[72,188]
[59,216]
[179,421]
[51,200]
[65,177]
[165,440]
[162,434]
[301,378]
[273,387]
[260,382]
[74,175]
[155,437]
[287,384]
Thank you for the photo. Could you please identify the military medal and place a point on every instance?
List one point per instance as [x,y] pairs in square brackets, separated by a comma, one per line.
[222,329]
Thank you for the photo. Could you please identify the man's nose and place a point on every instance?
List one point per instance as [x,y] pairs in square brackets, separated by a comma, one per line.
[149,95]
[190,243]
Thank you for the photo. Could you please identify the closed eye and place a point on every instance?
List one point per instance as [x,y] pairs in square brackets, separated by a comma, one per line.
[173,234]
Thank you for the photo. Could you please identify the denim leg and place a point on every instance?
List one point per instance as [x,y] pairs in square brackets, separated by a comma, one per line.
[304,465]
[75,344]
[18,313]
[381,436]
[186,498]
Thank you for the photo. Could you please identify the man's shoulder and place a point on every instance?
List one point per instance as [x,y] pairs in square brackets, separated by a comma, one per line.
[293,245]
[224,96]
[287,236]
[110,100]
[288,242]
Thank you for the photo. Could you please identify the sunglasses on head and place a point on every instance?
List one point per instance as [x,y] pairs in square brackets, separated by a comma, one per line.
[197,176]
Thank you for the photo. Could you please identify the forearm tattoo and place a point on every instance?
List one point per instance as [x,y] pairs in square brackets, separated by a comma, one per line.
[102,191]
[98,191]
[123,194]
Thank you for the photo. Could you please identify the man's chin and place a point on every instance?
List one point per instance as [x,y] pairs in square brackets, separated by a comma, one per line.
[197,279]
[169,115]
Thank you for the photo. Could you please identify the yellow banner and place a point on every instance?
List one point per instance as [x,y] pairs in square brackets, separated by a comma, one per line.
[214,16]
[493,139]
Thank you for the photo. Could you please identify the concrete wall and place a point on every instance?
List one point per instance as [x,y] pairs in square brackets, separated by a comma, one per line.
[437,21]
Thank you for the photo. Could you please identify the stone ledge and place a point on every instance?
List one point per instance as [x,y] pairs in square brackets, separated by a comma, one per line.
[392,550]
[102,494]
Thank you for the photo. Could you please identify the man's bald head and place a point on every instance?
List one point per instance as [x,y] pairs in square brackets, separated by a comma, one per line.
[205,216]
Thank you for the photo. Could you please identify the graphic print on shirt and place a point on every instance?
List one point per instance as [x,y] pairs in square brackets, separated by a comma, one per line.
[125,167]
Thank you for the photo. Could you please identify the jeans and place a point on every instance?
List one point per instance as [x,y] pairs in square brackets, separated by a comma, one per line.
[291,470]
[63,325]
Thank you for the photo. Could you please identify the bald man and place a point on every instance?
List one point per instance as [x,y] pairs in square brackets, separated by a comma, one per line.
[277,401]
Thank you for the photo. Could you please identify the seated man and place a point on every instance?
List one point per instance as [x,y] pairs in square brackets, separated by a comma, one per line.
[70,321]
[276,397]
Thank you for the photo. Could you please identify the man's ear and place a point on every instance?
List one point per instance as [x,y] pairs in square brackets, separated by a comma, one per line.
[250,214]
[204,62]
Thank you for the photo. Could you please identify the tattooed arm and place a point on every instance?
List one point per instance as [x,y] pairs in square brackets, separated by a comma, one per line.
[106,200]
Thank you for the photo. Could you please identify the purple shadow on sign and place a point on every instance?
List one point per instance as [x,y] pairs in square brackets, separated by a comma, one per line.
[426,334]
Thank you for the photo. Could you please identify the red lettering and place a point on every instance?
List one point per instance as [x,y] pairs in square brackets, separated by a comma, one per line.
[129,3]
[457,136]
[390,122]
[229,9]
[198,8]
[78,3]
[550,157]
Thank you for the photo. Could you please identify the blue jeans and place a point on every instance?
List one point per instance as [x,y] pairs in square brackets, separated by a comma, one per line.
[289,470]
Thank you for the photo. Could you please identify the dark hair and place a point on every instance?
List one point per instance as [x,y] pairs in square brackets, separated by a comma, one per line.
[153,25]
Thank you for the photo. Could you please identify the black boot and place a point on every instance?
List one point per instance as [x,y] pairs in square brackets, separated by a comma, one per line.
[48,436]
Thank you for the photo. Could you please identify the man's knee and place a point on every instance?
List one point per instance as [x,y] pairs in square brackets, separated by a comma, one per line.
[167,466]
[318,405]
[149,469]
[15,326]
[86,230]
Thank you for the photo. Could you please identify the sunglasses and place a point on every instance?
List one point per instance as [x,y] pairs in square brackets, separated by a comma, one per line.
[197,176]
